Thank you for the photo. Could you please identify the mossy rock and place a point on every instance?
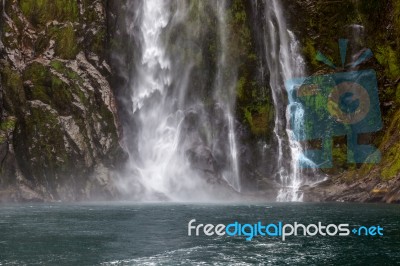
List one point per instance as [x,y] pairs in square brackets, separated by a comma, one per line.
[389,59]
[39,144]
[6,127]
[97,42]
[50,89]
[66,46]
[44,87]
[391,162]
[259,119]
[254,104]
[13,95]
[39,12]
[390,146]
[8,124]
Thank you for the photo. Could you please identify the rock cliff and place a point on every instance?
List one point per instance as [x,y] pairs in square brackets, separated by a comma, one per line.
[59,137]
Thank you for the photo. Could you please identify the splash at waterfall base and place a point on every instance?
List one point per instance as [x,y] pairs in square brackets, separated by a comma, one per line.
[202,102]
[178,102]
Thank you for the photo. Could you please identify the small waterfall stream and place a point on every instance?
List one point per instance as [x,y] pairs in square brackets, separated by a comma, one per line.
[283,62]
[226,95]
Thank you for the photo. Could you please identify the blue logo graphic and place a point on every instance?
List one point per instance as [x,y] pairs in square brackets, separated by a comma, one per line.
[338,104]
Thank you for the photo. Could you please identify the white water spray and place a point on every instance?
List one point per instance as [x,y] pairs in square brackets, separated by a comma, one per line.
[174,134]
[226,95]
[284,62]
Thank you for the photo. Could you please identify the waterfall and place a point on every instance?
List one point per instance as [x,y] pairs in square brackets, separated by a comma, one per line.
[226,94]
[283,62]
[179,99]
[178,123]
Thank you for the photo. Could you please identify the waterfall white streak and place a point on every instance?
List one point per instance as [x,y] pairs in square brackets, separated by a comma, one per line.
[159,167]
[225,95]
[284,62]
[179,149]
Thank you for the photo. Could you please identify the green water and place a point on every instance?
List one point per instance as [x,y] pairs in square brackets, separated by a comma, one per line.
[152,234]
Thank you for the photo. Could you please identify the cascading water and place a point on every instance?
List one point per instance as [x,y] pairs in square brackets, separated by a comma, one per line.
[226,95]
[180,152]
[283,62]
[181,85]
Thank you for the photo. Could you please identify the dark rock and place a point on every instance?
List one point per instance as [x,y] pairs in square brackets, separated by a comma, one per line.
[59,134]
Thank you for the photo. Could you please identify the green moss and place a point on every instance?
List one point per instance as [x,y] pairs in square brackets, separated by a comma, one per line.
[240,40]
[396,19]
[326,23]
[398,93]
[18,22]
[36,73]
[76,82]
[392,162]
[62,69]
[388,58]
[253,98]
[390,146]
[14,96]
[39,12]
[319,103]
[12,80]
[108,122]
[49,88]
[41,44]
[248,116]
[43,133]
[240,88]
[366,169]
[8,124]
[97,43]
[8,36]
[371,16]
[339,155]
[57,65]
[259,119]
[90,15]
[66,45]
[310,52]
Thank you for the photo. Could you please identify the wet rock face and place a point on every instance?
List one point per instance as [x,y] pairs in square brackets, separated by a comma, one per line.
[203,147]
[362,190]
[377,30]
[58,125]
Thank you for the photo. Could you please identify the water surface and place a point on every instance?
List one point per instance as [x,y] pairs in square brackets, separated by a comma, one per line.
[148,234]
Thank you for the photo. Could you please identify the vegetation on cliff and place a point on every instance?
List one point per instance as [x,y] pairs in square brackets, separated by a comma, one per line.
[57,112]
[367,24]
[58,124]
